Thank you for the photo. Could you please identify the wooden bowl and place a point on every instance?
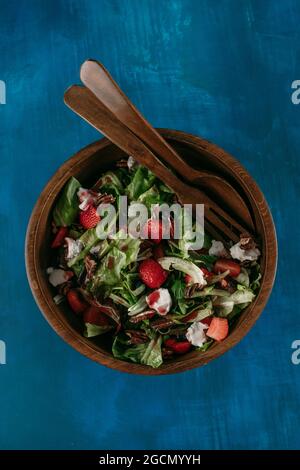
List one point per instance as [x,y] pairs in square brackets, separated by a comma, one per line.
[86,165]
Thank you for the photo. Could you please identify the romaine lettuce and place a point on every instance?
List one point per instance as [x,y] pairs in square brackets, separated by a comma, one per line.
[88,239]
[169,262]
[130,246]
[66,209]
[122,350]
[109,270]
[152,355]
[109,181]
[148,353]
[225,305]
[142,180]
[243,278]
[92,330]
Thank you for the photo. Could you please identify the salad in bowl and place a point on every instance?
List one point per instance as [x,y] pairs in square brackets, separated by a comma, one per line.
[153,295]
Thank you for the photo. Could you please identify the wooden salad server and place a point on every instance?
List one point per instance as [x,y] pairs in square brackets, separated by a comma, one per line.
[95,77]
[83,102]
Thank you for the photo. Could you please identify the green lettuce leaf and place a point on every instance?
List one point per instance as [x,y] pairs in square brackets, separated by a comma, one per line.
[165,189]
[197,314]
[88,240]
[255,277]
[178,288]
[78,268]
[236,311]
[139,290]
[130,288]
[205,346]
[156,195]
[130,246]
[110,182]
[183,306]
[122,350]
[153,355]
[138,307]
[142,180]
[75,232]
[210,291]
[242,295]
[118,299]
[92,330]
[218,277]
[119,254]
[66,209]
[224,306]
[243,278]
[102,247]
[207,260]
[149,197]
[169,262]
[109,271]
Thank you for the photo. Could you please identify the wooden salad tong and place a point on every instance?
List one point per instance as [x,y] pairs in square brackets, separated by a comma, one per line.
[83,102]
[95,77]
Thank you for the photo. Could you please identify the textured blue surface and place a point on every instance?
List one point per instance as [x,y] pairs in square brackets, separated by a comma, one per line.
[222,70]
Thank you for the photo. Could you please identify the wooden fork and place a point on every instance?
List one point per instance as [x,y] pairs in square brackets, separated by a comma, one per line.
[83,102]
[95,77]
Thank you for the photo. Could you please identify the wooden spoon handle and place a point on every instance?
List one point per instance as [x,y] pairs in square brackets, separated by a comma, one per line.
[95,76]
[85,104]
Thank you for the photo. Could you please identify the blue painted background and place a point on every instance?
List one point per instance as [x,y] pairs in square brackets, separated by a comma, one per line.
[222,70]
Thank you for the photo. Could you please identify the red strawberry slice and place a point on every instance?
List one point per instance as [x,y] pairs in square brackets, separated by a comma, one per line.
[158,251]
[206,272]
[189,280]
[95,316]
[152,274]
[179,347]
[207,321]
[59,237]
[110,310]
[218,329]
[153,230]
[182,347]
[224,283]
[89,218]
[76,302]
[222,265]
[170,342]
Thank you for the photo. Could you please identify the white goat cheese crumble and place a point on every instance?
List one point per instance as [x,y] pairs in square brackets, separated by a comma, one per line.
[195,333]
